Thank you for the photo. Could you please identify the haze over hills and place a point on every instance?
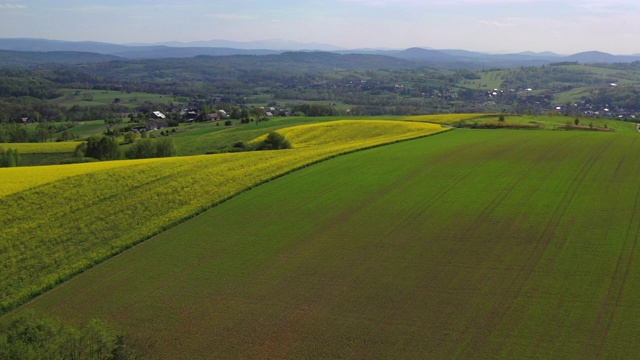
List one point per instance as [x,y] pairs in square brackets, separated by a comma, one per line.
[28,52]
[271,44]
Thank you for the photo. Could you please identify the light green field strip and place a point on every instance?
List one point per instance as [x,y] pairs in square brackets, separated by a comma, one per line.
[42,148]
[445,118]
[59,225]
[471,244]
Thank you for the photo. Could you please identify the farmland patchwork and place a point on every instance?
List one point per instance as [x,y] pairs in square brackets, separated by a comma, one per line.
[470,244]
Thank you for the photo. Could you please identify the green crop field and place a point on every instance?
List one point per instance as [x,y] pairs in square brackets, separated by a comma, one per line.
[470,244]
[60,220]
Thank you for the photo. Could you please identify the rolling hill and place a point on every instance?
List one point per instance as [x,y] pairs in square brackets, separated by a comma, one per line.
[486,244]
[438,58]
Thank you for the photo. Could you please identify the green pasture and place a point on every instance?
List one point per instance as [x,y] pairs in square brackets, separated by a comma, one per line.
[489,80]
[470,244]
[106,97]
[88,128]
[558,123]
[573,95]
[609,75]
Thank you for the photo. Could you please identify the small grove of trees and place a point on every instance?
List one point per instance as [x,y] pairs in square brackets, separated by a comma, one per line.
[99,147]
[107,148]
[9,158]
[274,141]
[151,148]
[41,133]
[315,109]
[30,337]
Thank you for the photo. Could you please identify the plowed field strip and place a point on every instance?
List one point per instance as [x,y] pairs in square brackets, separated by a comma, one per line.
[504,304]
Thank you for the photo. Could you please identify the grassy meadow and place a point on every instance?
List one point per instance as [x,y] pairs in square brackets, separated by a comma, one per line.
[60,220]
[546,122]
[87,97]
[471,244]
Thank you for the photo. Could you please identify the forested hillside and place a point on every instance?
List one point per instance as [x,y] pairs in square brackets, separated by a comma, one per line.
[350,84]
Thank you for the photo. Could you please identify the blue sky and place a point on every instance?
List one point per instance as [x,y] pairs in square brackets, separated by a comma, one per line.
[563,26]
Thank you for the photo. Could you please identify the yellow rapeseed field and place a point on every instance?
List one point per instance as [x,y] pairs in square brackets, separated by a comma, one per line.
[21,178]
[352,133]
[59,220]
[42,148]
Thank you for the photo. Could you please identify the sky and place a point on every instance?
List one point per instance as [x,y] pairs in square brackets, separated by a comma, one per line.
[496,26]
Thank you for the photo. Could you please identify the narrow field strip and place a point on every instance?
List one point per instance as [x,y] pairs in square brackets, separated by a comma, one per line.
[42,148]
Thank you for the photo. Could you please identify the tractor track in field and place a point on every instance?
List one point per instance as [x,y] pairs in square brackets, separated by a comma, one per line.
[495,202]
[610,302]
[345,216]
[504,305]
[421,208]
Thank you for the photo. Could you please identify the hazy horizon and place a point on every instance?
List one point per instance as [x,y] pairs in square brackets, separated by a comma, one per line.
[494,26]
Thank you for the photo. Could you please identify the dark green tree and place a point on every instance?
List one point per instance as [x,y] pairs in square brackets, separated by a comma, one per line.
[103,148]
[151,148]
[165,147]
[9,158]
[274,141]
[31,337]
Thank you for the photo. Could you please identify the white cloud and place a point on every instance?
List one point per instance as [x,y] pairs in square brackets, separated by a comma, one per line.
[496,23]
[444,2]
[12,6]
[608,7]
[594,5]
[227,16]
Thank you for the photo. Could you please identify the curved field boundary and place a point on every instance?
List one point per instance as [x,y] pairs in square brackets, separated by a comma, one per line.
[60,228]
[474,244]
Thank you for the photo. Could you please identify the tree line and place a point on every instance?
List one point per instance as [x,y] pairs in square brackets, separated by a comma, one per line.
[108,148]
[29,337]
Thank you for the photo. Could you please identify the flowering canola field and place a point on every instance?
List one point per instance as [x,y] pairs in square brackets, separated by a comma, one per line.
[60,220]
[42,148]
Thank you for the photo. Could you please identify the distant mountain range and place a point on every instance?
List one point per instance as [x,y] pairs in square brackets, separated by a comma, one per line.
[273,44]
[29,52]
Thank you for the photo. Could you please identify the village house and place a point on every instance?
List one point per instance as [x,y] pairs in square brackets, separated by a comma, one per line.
[158,115]
[156,125]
